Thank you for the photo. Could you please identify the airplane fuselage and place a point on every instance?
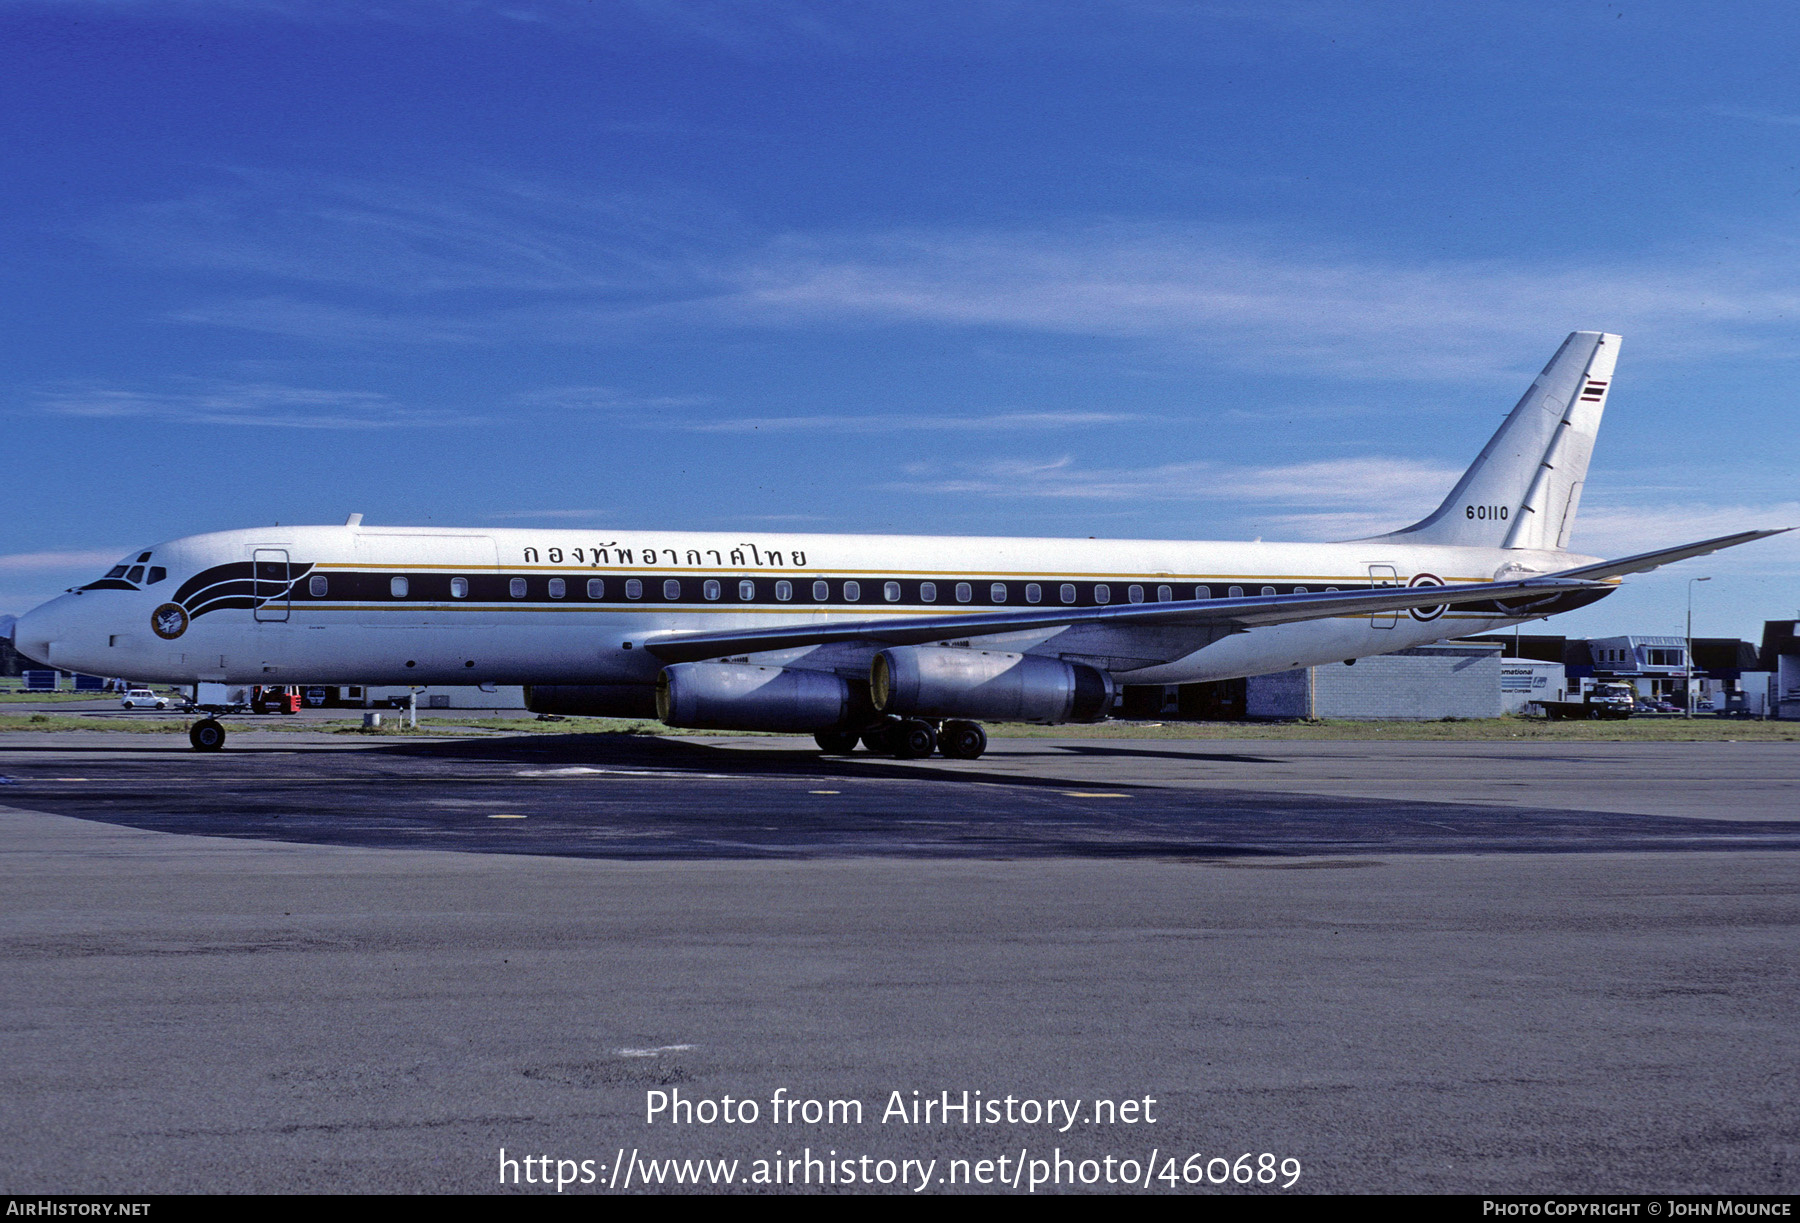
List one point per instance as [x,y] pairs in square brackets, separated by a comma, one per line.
[379,605]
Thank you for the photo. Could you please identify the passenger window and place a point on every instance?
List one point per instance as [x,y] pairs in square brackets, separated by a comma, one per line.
[671,588]
[891,591]
[1299,590]
[1164,594]
[1236,592]
[997,592]
[821,592]
[928,592]
[157,574]
[1103,594]
[746,590]
[852,591]
[1203,592]
[1135,594]
[596,588]
[784,591]
[516,588]
[397,587]
[459,587]
[558,588]
[711,589]
[1330,589]
[316,586]
[964,592]
[634,589]
[1268,590]
[136,574]
[1034,593]
[1067,592]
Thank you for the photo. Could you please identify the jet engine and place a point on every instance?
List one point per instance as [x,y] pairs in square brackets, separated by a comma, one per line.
[592,700]
[941,682]
[743,696]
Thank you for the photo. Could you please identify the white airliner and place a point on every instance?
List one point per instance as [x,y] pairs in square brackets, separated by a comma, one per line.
[901,642]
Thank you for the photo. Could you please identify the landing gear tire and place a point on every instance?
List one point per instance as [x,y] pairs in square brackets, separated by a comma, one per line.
[207,735]
[836,742]
[962,740]
[915,740]
[879,738]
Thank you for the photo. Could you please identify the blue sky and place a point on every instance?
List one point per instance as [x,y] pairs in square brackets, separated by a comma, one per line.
[1130,268]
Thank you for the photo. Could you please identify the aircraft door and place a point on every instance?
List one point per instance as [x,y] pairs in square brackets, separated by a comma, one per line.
[1383,575]
[272,584]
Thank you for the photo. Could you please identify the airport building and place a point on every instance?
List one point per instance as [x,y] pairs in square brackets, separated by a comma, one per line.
[1457,679]
[1779,658]
[1483,677]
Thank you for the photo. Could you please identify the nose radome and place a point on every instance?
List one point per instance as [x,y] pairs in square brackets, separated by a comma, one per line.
[33,632]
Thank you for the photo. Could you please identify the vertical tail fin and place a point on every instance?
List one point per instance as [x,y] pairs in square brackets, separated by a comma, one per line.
[1523,490]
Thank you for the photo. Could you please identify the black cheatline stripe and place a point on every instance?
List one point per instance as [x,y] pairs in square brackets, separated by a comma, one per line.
[495,590]
[212,577]
[235,586]
[238,571]
[222,605]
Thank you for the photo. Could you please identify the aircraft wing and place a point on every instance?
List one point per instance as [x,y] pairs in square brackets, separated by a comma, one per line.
[1644,562]
[1231,615]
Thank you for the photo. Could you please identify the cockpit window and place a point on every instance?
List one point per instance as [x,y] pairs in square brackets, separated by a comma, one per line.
[157,574]
[117,571]
[142,557]
[136,574]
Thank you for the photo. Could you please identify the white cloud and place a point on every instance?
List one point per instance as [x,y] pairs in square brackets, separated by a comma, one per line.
[1252,299]
[1356,498]
[51,562]
[1755,116]
[1337,499]
[902,423]
[538,515]
[607,400]
[417,237]
[207,402]
[492,259]
[1620,530]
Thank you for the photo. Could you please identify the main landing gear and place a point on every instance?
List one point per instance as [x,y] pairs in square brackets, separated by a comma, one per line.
[909,739]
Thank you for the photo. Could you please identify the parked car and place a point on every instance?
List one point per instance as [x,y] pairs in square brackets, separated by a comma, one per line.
[143,698]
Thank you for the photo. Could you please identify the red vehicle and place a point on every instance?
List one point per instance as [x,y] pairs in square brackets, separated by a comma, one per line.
[275,700]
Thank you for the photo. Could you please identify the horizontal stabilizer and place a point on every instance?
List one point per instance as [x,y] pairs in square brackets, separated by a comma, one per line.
[1644,562]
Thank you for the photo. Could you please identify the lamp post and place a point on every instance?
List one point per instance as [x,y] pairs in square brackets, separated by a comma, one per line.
[1689,694]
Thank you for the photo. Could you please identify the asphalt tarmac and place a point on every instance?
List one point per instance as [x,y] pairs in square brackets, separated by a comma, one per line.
[326,963]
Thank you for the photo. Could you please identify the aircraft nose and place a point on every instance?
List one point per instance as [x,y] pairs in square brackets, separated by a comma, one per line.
[33,632]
